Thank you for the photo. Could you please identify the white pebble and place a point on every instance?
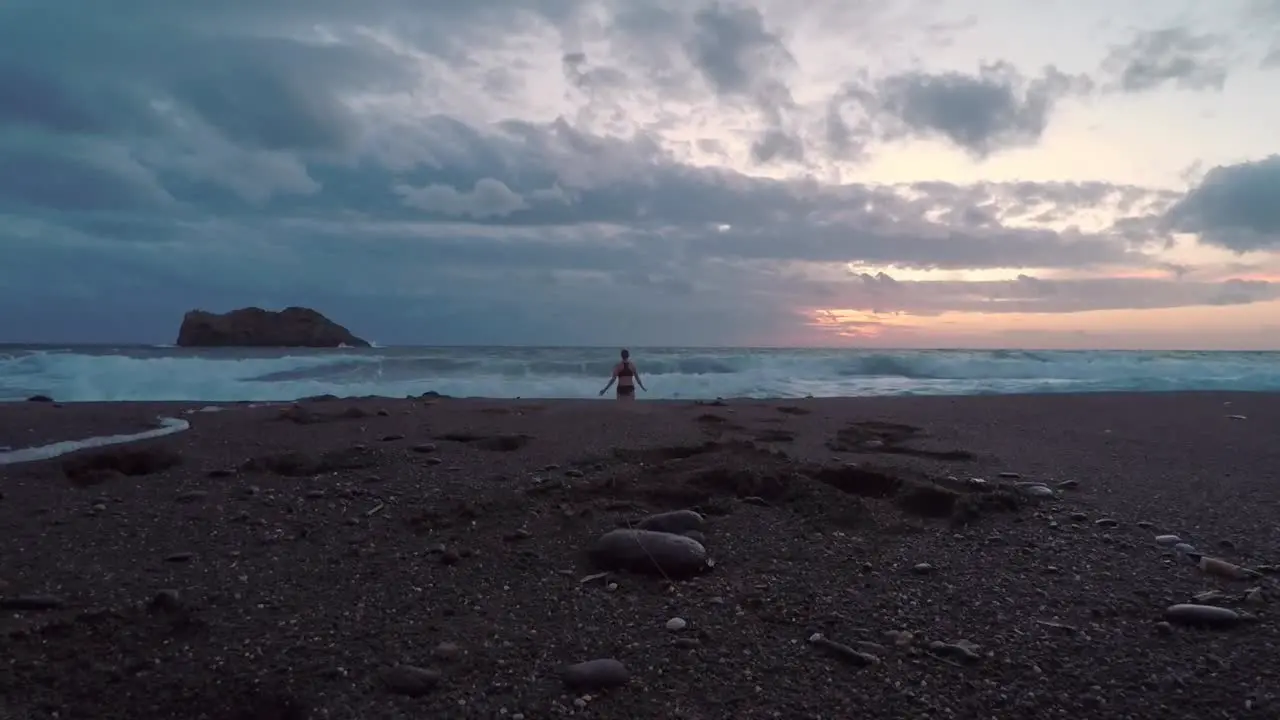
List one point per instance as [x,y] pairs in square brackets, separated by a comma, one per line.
[676,624]
[1168,539]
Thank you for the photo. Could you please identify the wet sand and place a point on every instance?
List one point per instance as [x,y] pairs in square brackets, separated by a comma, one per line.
[280,562]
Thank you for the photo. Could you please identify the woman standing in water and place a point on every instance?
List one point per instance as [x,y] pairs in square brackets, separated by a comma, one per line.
[627,377]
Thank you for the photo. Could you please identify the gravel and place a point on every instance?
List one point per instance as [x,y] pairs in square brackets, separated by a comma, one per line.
[302,565]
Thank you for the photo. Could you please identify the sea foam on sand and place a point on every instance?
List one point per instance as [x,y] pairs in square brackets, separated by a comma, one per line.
[168,426]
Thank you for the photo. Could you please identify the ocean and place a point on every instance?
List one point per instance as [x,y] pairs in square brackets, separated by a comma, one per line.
[72,374]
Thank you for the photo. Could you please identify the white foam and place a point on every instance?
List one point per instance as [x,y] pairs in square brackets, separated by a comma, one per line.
[222,375]
[168,426]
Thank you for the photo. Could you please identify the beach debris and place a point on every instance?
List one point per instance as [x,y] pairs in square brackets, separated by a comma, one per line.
[842,652]
[31,602]
[1057,626]
[410,680]
[1209,597]
[1202,615]
[375,509]
[676,521]
[596,674]
[649,552]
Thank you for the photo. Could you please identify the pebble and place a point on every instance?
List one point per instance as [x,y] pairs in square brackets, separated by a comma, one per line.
[573,473]
[1079,517]
[1036,491]
[448,651]
[434,461]
[179,557]
[900,637]
[393,438]
[922,568]
[646,551]
[1222,568]
[166,600]
[1068,485]
[1207,615]
[676,521]
[960,650]
[1168,540]
[596,674]
[1186,549]
[315,494]
[1010,475]
[410,680]
[1107,522]
[193,496]
[676,624]
[425,448]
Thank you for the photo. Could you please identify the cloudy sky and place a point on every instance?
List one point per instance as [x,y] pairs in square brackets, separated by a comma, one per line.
[756,172]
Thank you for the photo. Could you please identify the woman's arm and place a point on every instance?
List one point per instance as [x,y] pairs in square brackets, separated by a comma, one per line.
[613,378]
[639,382]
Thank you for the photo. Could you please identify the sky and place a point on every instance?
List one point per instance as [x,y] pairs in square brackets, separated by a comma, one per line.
[896,173]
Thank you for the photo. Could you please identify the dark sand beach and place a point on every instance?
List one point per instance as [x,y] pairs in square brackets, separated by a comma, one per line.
[428,559]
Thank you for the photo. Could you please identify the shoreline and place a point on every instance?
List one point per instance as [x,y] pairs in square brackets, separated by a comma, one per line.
[293,553]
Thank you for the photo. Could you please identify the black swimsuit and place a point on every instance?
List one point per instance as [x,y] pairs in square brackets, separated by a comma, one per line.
[626,372]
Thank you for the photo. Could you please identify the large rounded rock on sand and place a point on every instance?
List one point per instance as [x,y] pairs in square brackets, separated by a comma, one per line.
[649,552]
[678,522]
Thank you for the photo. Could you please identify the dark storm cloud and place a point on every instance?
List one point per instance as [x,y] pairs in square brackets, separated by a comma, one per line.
[1174,56]
[1235,207]
[995,109]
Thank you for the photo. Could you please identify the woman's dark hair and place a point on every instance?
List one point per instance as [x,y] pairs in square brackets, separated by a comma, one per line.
[626,354]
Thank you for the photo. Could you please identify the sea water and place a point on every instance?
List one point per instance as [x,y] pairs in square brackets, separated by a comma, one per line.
[162,373]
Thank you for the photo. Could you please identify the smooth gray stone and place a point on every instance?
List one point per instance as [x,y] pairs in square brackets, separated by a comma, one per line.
[649,552]
[676,521]
[1210,615]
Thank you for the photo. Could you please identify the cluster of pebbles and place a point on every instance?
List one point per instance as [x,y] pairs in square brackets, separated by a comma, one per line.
[1207,608]
[671,545]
